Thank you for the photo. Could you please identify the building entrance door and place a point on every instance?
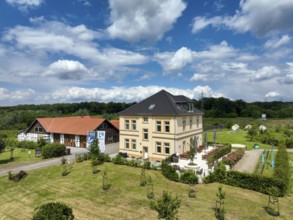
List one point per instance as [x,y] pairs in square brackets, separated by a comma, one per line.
[145,152]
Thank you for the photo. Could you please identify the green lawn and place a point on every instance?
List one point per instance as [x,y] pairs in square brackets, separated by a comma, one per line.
[291,169]
[82,191]
[268,170]
[226,136]
[19,157]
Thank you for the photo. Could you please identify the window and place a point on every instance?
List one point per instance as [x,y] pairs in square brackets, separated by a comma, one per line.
[158,147]
[159,126]
[145,119]
[190,122]
[134,125]
[126,124]
[167,148]
[167,126]
[145,134]
[126,143]
[38,129]
[133,144]
[183,123]
[197,122]
[152,106]
[190,107]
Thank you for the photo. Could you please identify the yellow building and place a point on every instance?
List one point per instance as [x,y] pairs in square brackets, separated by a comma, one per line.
[159,126]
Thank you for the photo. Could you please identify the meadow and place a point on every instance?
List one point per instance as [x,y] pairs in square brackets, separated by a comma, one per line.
[125,199]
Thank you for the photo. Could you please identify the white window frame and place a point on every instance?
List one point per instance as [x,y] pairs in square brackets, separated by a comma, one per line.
[145,134]
[133,122]
[127,124]
[126,143]
[133,144]
[167,146]
[158,126]
[158,144]
[167,125]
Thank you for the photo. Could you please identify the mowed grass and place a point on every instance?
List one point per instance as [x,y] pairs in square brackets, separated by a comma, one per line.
[291,170]
[226,136]
[82,191]
[19,157]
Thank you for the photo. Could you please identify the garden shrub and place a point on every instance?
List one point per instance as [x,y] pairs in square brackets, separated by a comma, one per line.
[53,150]
[147,165]
[27,144]
[53,210]
[169,172]
[289,143]
[118,159]
[218,175]
[188,177]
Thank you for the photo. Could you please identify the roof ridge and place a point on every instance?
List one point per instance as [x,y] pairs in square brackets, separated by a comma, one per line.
[169,97]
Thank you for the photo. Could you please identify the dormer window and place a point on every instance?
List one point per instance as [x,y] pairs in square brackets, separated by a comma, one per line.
[152,106]
[190,107]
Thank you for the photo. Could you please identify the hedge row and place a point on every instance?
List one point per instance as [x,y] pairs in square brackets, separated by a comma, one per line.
[53,150]
[220,153]
[133,163]
[282,167]
[254,182]
[170,173]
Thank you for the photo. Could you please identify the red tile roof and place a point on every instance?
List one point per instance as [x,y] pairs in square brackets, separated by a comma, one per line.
[115,123]
[70,125]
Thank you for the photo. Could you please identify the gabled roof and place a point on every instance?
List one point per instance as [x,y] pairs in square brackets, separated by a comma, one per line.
[70,125]
[115,123]
[161,103]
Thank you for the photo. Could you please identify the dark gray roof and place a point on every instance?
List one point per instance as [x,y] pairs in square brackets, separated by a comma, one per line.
[161,103]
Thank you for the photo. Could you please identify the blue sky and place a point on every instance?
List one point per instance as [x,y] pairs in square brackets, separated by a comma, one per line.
[125,50]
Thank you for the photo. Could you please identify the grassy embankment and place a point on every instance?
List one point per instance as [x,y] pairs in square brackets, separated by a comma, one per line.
[125,199]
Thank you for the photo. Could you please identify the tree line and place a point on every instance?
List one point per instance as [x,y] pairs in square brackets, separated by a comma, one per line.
[226,108]
[21,116]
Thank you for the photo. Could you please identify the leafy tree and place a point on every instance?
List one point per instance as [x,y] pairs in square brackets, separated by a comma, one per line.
[96,155]
[167,206]
[11,143]
[2,144]
[53,210]
[251,133]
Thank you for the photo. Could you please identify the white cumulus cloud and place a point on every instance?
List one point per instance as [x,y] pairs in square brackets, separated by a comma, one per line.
[25,4]
[136,20]
[275,43]
[272,94]
[259,17]
[78,41]
[265,73]
[67,69]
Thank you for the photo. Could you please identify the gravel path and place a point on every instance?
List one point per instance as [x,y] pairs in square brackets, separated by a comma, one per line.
[249,161]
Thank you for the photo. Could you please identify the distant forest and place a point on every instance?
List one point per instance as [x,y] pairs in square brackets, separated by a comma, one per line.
[21,116]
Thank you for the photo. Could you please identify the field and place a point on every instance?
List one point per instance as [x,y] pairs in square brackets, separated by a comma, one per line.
[225,136]
[125,199]
[20,157]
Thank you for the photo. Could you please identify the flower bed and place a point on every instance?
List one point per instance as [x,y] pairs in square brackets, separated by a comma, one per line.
[232,158]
